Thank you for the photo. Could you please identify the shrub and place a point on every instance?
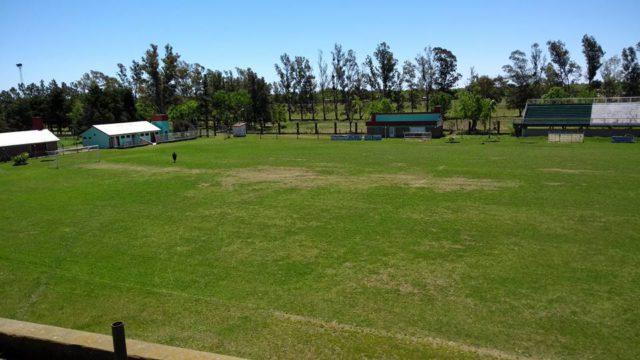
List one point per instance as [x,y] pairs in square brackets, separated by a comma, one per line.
[20,159]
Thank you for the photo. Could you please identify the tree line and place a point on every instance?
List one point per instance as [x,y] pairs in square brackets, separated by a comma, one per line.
[336,86]
[154,84]
[380,80]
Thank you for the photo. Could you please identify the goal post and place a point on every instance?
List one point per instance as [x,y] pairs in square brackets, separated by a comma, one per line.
[565,136]
[74,155]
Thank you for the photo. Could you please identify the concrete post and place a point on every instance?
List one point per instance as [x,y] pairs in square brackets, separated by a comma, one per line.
[119,343]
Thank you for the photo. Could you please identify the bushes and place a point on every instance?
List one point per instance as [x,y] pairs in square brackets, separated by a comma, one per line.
[20,159]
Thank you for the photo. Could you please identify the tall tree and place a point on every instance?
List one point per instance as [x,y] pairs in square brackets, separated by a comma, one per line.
[151,66]
[169,75]
[58,105]
[424,64]
[299,75]
[538,63]
[286,75]
[445,69]
[382,76]
[593,54]
[397,91]
[521,77]
[137,78]
[323,80]
[259,94]
[338,75]
[123,78]
[630,72]
[204,102]
[409,76]
[567,69]
[611,75]
[303,84]
[309,86]
[351,74]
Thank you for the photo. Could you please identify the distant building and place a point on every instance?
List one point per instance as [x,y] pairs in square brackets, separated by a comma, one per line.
[34,142]
[121,135]
[239,129]
[593,117]
[162,122]
[394,125]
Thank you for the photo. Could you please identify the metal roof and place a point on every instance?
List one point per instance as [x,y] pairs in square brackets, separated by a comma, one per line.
[27,137]
[126,128]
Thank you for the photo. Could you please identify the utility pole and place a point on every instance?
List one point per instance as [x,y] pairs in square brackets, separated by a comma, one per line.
[19,65]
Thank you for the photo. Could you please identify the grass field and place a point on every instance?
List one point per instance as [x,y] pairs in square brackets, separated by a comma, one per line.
[317,249]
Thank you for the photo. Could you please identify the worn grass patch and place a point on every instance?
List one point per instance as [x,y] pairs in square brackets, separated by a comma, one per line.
[306,179]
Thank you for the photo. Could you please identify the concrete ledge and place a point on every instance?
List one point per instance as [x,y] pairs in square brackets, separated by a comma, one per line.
[26,340]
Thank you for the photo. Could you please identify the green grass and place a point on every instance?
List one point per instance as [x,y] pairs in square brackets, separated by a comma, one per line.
[317,249]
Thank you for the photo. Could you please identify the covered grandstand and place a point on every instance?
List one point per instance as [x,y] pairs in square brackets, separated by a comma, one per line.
[595,116]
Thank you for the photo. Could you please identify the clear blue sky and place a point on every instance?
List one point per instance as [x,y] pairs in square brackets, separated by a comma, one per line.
[63,39]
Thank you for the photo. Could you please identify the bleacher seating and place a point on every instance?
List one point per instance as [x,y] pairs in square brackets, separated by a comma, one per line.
[557,114]
[616,114]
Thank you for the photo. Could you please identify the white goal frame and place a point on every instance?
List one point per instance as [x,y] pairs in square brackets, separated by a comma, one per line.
[73,150]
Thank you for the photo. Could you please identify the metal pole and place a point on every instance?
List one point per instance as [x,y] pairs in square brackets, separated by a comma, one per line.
[20,70]
[119,343]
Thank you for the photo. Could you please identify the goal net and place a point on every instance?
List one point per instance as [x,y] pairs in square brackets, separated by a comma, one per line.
[73,156]
[565,137]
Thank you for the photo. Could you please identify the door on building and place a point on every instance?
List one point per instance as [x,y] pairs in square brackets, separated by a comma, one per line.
[392,132]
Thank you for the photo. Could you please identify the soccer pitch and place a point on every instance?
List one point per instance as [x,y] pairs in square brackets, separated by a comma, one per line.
[286,248]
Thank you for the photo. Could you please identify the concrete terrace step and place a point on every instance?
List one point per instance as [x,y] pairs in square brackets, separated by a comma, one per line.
[27,340]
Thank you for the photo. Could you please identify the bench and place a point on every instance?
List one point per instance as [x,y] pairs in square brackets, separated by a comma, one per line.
[627,139]
[350,137]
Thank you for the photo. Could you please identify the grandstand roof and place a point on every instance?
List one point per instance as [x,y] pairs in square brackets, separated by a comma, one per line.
[598,100]
[27,137]
[126,128]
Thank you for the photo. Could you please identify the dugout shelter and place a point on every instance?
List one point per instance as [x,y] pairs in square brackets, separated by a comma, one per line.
[395,125]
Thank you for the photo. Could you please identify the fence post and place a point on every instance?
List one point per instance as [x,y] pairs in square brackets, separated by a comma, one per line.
[335,128]
[498,127]
[119,343]
[356,127]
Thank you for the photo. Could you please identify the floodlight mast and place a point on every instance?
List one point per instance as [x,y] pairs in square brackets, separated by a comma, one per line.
[19,65]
